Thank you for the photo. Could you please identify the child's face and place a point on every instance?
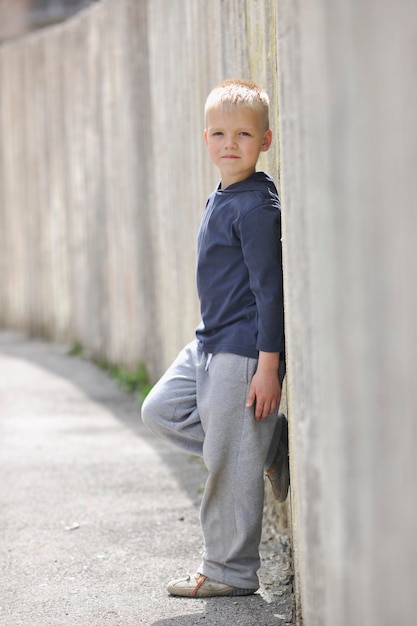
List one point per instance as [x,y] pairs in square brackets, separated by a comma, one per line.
[234,141]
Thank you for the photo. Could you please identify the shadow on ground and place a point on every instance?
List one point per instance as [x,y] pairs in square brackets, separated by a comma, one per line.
[274,603]
[187,470]
[245,611]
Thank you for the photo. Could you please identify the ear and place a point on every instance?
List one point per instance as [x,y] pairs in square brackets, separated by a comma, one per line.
[205,137]
[267,140]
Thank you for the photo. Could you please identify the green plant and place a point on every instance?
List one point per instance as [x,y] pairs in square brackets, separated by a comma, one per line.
[76,349]
[133,380]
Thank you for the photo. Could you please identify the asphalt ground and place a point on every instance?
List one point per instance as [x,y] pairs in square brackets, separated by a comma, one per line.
[96,514]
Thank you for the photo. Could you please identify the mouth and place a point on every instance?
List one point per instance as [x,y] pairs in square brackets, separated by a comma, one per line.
[230,156]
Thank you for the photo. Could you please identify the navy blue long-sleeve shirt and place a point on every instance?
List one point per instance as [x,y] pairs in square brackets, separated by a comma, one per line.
[239,270]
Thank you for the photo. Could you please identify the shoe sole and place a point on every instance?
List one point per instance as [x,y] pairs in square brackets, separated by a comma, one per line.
[201,593]
[280,478]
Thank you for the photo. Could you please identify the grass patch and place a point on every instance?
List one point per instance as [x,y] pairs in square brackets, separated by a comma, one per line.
[134,381]
[76,349]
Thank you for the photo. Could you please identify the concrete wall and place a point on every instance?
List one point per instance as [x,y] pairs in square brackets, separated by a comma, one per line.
[13,20]
[348,102]
[104,172]
[73,170]
[18,17]
[103,179]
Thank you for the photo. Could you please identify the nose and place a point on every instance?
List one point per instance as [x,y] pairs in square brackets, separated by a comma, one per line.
[230,142]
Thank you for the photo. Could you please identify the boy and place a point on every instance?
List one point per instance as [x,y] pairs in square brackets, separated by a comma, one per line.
[220,397]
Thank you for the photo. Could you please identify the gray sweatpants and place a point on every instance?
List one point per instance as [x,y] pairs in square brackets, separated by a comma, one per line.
[199,405]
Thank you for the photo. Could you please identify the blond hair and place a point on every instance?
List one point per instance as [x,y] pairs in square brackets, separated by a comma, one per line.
[239,93]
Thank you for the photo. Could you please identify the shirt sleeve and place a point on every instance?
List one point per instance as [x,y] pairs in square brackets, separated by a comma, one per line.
[260,235]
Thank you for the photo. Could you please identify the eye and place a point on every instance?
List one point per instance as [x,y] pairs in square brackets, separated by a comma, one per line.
[217,133]
[245,133]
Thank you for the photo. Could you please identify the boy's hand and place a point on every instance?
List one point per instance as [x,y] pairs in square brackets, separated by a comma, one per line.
[265,388]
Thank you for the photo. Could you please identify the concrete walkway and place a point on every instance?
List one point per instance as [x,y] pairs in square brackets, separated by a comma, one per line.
[95,513]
